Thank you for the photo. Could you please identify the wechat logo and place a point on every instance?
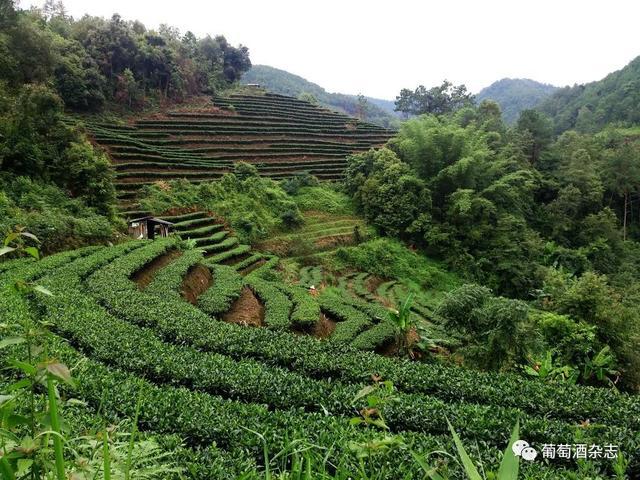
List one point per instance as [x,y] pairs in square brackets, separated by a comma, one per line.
[522,449]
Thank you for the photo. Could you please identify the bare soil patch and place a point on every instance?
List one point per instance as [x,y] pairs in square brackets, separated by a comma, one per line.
[146,274]
[195,283]
[391,348]
[246,310]
[324,327]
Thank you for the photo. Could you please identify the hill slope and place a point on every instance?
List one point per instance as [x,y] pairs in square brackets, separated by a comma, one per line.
[589,107]
[515,94]
[142,339]
[378,111]
[281,135]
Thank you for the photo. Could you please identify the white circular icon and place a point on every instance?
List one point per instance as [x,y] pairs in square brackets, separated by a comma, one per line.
[518,446]
[529,453]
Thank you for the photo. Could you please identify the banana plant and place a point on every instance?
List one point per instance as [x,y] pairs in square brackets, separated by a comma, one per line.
[403,323]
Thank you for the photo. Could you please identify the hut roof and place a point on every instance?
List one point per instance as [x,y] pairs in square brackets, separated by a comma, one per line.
[150,218]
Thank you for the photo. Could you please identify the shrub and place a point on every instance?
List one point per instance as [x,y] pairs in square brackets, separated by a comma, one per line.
[46,211]
[253,205]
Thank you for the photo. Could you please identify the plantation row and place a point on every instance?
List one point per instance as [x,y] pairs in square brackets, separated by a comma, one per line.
[218,375]
[280,135]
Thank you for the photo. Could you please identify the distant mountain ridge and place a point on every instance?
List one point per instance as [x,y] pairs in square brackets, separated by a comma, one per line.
[591,106]
[378,111]
[516,94]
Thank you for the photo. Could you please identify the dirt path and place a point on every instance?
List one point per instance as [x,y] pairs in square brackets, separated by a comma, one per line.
[246,310]
[146,274]
[195,283]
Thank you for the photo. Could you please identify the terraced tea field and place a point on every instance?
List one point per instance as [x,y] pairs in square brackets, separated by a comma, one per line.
[321,232]
[147,322]
[281,135]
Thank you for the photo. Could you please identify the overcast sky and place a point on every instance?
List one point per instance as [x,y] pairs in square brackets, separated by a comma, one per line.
[378,47]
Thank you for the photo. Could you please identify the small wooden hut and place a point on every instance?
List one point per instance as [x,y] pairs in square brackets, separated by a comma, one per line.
[149,227]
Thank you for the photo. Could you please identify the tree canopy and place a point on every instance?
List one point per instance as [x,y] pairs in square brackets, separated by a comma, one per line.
[438,100]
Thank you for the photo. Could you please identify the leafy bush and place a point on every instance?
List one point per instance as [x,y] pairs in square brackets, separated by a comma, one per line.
[46,211]
[253,206]
[292,219]
[499,332]
[389,258]
[293,185]
[226,287]
[569,339]
[323,198]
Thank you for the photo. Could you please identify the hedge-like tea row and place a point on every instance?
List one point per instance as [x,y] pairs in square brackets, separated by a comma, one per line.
[181,322]
[225,244]
[168,280]
[306,310]
[350,320]
[131,348]
[270,264]
[277,305]
[27,270]
[194,223]
[7,265]
[376,337]
[229,254]
[225,289]
[212,239]
[247,262]
[310,276]
[203,418]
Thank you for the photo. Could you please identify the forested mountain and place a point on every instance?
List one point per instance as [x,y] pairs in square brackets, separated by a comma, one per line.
[373,110]
[515,94]
[589,107]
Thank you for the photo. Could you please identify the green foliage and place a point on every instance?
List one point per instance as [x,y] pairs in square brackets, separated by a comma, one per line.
[437,100]
[389,258]
[590,107]
[293,185]
[390,196]
[36,141]
[509,467]
[252,205]
[590,300]
[498,330]
[45,210]
[323,199]
[92,60]
[514,95]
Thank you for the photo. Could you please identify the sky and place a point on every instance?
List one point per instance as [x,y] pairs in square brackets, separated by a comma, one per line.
[379,47]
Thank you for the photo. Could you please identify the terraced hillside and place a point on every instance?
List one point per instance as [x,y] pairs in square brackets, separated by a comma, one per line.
[281,135]
[164,349]
[321,232]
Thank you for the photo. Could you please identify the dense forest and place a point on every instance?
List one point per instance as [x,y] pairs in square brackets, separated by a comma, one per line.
[514,95]
[52,65]
[548,220]
[374,110]
[591,107]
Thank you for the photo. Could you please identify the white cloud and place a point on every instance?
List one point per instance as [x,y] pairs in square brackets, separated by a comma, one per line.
[378,47]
